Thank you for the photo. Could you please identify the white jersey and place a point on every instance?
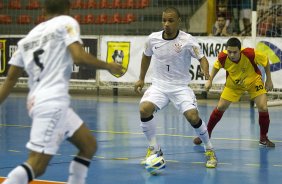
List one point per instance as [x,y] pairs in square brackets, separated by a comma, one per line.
[44,55]
[171,58]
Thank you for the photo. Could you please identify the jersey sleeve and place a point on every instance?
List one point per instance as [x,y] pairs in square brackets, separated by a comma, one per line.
[71,31]
[148,47]
[195,49]
[217,64]
[261,59]
[17,59]
[221,58]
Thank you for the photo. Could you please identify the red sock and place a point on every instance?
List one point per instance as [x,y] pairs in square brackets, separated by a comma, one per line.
[264,124]
[214,119]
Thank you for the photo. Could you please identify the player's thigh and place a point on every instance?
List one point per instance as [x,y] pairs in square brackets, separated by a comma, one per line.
[261,102]
[258,93]
[84,141]
[223,104]
[183,99]
[256,89]
[192,115]
[232,95]
[154,96]
[79,134]
[48,129]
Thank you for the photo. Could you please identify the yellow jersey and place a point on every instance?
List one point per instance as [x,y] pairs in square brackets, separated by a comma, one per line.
[243,73]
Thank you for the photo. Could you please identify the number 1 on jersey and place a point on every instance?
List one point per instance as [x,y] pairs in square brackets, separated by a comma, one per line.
[167,67]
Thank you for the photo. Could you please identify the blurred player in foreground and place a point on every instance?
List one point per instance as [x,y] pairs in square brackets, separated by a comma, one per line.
[170,52]
[242,74]
[47,54]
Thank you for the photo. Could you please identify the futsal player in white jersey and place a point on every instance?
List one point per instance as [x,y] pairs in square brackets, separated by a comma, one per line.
[47,54]
[170,52]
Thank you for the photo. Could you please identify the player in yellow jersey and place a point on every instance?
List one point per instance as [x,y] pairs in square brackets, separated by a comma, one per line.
[242,74]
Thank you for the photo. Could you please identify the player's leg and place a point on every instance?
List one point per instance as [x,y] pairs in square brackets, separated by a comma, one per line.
[217,114]
[199,125]
[80,136]
[148,124]
[185,101]
[258,94]
[43,144]
[35,166]
[227,97]
[200,128]
[264,120]
[151,101]
[87,146]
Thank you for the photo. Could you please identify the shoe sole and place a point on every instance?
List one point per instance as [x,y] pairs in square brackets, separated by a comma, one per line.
[211,166]
[266,146]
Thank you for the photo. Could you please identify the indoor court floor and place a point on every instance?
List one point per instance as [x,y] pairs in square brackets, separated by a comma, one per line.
[121,144]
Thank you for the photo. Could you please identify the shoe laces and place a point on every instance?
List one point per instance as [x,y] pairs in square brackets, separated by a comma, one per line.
[210,154]
[150,151]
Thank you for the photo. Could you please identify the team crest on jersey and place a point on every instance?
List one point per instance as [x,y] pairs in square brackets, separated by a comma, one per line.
[2,55]
[178,47]
[119,52]
[71,31]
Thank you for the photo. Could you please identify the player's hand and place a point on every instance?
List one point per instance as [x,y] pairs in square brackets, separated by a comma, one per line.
[208,85]
[138,86]
[268,85]
[115,68]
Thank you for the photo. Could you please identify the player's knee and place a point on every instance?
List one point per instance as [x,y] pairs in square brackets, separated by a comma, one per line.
[262,108]
[194,120]
[93,148]
[89,149]
[192,116]
[145,111]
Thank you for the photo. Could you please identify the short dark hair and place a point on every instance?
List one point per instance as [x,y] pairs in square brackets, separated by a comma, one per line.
[173,9]
[221,15]
[234,42]
[56,6]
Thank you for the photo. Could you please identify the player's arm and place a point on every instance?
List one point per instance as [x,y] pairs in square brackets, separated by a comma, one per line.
[213,73]
[145,63]
[208,84]
[268,81]
[80,57]
[262,59]
[205,67]
[13,75]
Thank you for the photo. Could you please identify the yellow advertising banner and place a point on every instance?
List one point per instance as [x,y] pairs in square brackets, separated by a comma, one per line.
[2,56]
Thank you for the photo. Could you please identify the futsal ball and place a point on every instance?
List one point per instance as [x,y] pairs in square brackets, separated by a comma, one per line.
[155,164]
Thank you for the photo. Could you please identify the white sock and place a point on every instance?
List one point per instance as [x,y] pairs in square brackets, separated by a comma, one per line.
[20,175]
[149,130]
[202,132]
[78,170]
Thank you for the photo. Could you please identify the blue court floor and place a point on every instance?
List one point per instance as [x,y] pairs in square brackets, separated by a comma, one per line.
[121,144]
